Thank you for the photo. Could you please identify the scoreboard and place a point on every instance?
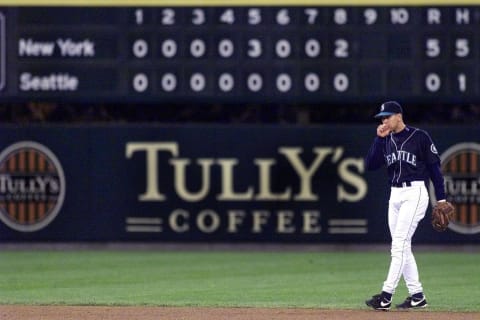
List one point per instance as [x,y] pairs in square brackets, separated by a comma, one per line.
[240,51]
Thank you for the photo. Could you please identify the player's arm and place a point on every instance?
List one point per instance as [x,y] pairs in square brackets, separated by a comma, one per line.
[374,158]
[434,167]
[437,180]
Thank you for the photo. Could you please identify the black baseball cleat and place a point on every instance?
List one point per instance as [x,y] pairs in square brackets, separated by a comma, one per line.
[379,302]
[413,302]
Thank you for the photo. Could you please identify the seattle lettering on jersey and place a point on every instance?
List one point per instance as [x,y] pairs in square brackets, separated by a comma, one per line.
[401,156]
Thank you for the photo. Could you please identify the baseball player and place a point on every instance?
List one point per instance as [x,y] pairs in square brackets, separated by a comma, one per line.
[411,160]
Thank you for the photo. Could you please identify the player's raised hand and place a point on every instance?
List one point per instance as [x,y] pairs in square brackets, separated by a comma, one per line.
[382,130]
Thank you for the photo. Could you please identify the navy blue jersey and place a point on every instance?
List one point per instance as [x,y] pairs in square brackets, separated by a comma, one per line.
[409,155]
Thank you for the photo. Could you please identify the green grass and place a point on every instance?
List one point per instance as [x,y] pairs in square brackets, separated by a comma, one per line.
[262,279]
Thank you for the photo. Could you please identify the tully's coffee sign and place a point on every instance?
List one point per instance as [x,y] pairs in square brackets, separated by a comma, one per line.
[214,184]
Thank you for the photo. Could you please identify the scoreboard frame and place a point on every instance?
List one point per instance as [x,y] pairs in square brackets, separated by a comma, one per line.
[99,52]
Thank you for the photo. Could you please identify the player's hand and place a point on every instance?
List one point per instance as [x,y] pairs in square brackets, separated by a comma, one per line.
[382,130]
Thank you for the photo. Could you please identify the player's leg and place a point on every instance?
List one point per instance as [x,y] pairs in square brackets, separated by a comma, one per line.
[394,205]
[416,298]
[383,300]
[411,276]
[410,271]
[411,212]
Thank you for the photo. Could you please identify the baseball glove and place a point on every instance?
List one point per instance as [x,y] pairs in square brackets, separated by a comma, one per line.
[442,214]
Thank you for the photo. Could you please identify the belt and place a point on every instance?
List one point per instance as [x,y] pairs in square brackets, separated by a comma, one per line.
[405,184]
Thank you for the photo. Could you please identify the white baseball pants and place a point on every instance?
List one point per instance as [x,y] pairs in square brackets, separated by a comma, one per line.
[407,207]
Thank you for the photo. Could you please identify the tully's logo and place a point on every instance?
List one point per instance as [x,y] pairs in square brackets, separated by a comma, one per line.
[461,169]
[32,186]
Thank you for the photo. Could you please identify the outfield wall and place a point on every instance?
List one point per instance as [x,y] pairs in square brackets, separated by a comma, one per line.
[284,184]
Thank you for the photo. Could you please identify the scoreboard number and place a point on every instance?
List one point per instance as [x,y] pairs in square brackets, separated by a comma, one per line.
[169,82]
[168,17]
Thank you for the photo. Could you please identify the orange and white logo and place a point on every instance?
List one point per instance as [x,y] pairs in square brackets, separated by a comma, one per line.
[461,170]
[32,186]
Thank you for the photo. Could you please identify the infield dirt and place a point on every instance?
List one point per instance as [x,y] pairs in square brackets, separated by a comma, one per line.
[19,312]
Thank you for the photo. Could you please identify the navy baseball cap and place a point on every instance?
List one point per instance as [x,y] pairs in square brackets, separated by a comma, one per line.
[388,108]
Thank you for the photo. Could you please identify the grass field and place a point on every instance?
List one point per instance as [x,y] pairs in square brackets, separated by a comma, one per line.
[340,280]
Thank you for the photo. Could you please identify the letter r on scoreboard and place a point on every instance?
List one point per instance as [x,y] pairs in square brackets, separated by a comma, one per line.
[3,51]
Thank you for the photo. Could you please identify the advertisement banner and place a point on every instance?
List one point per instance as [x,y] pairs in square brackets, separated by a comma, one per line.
[259,184]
